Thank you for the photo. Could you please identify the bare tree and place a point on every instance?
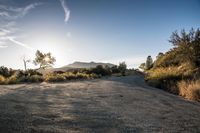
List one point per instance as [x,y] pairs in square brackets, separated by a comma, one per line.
[25,61]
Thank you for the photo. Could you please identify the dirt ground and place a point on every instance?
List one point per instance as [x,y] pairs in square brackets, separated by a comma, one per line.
[109,105]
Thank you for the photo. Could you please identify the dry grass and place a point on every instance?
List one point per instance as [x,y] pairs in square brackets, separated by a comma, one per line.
[12,80]
[163,73]
[2,80]
[68,76]
[190,89]
[167,77]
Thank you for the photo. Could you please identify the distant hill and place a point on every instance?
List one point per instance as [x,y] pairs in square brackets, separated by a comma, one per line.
[76,65]
[87,64]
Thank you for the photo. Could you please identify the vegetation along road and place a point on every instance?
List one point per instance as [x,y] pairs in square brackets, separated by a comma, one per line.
[115,104]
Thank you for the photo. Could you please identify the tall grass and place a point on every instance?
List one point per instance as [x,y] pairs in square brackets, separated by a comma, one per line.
[167,77]
[190,89]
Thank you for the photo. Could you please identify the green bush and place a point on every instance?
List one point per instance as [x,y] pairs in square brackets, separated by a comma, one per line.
[6,72]
[115,69]
[122,68]
[101,70]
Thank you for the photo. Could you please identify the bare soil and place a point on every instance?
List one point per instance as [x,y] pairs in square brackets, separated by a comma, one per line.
[109,105]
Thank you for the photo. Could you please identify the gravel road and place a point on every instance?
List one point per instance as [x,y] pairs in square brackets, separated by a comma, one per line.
[108,105]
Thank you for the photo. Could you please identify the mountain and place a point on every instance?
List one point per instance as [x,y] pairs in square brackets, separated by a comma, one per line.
[87,64]
[75,65]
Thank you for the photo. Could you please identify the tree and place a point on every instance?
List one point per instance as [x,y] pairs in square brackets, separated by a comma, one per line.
[160,54]
[187,46]
[115,69]
[122,68]
[149,63]
[6,72]
[142,66]
[44,60]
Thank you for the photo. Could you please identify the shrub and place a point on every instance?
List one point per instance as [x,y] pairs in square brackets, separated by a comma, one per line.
[69,76]
[82,76]
[35,78]
[12,80]
[115,69]
[122,68]
[190,89]
[54,78]
[22,79]
[100,70]
[2,79]
[31,72]
[6,72]
[93,76]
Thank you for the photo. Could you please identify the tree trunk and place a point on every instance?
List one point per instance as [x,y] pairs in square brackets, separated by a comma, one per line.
[24,65]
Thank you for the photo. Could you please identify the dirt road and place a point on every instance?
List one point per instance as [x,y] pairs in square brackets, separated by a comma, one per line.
[110,105]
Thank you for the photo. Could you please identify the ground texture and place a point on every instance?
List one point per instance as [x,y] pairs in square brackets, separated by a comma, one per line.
[109,105]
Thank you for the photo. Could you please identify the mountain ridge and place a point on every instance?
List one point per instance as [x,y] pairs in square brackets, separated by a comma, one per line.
[92,64]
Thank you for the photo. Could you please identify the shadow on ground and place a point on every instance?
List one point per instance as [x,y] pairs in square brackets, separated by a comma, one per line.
[50,109]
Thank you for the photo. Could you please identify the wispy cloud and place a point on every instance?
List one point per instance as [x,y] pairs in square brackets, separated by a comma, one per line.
[19,43]
[8,16]
[3,46]
[4,32]
[28,8]
[16,12]
[66,10]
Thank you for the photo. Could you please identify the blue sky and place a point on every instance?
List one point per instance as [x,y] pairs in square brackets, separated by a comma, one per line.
[91,30]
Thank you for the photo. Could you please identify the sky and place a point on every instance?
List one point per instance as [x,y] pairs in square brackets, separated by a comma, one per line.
[91,30]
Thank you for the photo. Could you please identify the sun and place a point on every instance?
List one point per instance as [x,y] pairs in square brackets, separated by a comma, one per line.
[55,43]
[46,59]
